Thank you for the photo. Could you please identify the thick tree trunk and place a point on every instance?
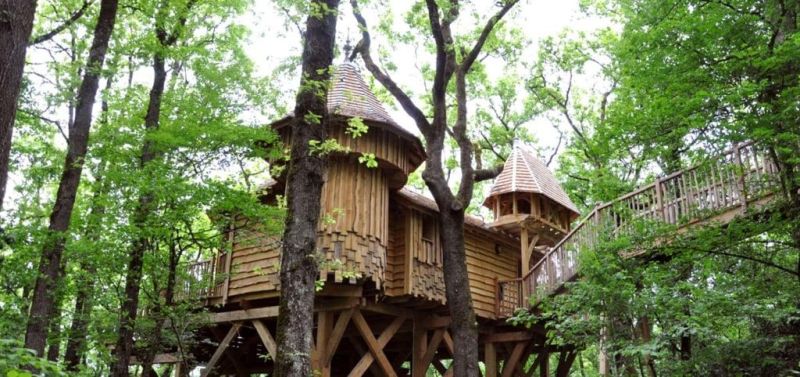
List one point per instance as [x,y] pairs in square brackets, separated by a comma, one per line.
[76,339]
[16,24]
[464,325]
[133,280]
[299,268]
[49,265]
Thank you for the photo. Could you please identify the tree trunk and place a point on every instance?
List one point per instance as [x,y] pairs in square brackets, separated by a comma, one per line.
[42,303]
[464,325]
[133,280]
[83,301]
[157,312]
[16,24]
[299,268]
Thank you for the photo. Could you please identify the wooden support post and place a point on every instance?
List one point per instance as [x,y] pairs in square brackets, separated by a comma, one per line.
[565,363]
[514,203]
[544,366]
[448,341]
[324,329]
[490,360]
[430,349]
[511,363]
[375,345]
[266,338]
[525,258]
[420,342]
[336,335]
[223,345]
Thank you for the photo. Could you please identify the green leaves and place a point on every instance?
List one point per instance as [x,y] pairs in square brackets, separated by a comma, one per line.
[356,127]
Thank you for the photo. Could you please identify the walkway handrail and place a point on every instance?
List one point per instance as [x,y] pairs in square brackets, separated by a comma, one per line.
[734,178]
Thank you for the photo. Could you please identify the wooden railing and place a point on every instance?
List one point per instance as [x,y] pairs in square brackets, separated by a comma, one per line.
[200,281]
[734,180]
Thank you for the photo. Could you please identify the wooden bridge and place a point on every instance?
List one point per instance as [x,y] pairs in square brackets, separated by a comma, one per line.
[741,179]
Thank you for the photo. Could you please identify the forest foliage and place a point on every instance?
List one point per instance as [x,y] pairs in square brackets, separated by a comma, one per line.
[661,86]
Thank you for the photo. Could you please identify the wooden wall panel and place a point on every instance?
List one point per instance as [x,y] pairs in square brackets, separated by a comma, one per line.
[396,254]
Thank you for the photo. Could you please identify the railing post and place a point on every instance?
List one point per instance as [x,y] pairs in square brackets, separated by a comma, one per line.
[742,174]
[660,200]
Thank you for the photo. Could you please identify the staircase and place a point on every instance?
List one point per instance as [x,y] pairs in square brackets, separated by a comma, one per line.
[717,191]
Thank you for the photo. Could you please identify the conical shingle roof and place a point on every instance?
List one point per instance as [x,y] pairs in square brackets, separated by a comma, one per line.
[524,172]
[350,96]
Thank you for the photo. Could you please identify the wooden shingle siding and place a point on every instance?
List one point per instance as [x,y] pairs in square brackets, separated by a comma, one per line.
[356,198]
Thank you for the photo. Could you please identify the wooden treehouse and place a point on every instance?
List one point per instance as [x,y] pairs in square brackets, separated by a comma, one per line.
[382,310]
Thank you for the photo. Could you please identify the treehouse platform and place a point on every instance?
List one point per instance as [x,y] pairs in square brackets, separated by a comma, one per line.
[382,308]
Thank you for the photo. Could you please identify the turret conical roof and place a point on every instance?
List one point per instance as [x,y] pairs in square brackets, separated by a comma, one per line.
[524,172]
[350,96]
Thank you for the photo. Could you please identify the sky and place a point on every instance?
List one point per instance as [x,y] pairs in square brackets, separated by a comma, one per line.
[273,40]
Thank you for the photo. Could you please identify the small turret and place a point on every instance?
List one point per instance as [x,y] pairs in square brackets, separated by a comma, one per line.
[528,201]
[355,196]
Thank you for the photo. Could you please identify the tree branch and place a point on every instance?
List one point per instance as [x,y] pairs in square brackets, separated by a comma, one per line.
[71,20]
[485,174]
[405,101]
[487,30]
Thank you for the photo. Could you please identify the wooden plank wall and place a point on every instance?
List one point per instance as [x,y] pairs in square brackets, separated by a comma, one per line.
[396,252]
[426,278]
[255,261]
[488,259]
[490,256]
[356,198]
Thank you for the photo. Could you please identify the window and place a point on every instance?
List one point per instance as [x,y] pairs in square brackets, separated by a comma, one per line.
[523,206]
[428,228]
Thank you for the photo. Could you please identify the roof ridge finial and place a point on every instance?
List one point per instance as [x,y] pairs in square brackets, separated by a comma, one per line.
[347,48]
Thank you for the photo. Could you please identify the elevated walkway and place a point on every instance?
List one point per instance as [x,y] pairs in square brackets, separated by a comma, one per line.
[740,180]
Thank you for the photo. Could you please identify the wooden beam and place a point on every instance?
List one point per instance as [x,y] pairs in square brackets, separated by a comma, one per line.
[221,349]
[324,329]
[338,304]
[439,366]
[420,342]
[266,338]
[376,371]
[565,363]
[510,366]
[515,336]
[336,335]
[430,349]
[490,360]
[435,322]
[525,258]
[534,365]
[391,310]
[544,366]
[532,245]
[375,345]
[448,342]
[245,315]
[243,349]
